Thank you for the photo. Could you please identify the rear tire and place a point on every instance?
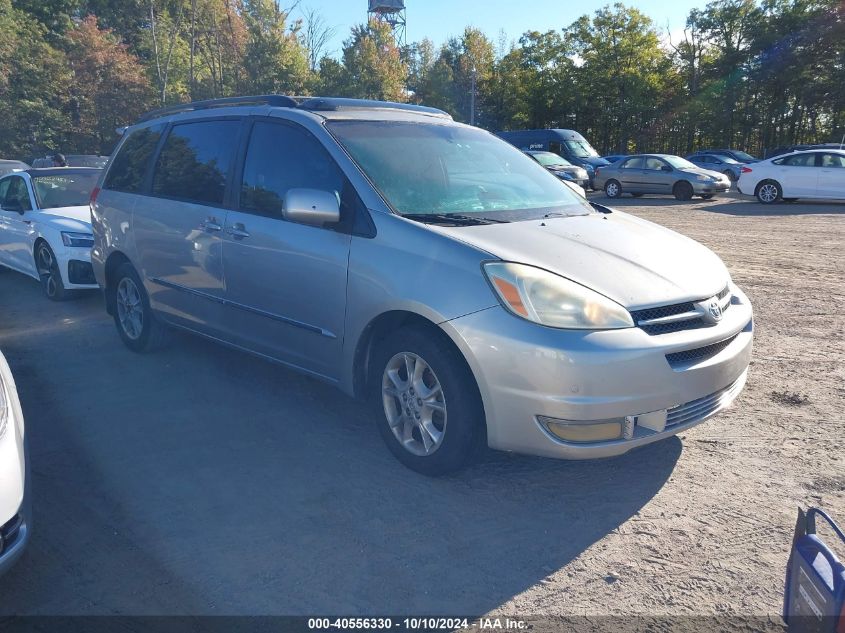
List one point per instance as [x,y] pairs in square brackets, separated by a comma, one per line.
[730,175]
[137,325]
[612,189]
[412,413]
[48,272]
[768,192]
[682,190]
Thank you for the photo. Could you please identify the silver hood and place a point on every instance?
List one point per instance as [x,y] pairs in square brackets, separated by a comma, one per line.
[634,262]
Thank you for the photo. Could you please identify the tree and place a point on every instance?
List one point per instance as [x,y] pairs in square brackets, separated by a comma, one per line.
[34,78]
[622,77]
[373,67]
[316,35]
[109,87]
[275,60]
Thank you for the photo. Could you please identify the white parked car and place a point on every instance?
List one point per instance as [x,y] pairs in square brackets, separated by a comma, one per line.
[807,174]
[45,227]
[14,500]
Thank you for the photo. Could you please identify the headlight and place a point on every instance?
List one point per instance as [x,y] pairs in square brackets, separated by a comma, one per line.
[703,178]
[548,299]
[77,239]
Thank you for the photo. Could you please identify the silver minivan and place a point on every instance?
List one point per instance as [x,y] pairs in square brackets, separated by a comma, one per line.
[422,264]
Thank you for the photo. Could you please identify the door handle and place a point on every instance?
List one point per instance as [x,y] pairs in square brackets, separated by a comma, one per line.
[211,224]
[237,231]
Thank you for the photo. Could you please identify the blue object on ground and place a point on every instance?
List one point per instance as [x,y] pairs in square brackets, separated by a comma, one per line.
[814,596]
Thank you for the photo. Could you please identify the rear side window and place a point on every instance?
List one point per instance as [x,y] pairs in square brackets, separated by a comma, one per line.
[130,165]
[800,160]
[195,161]
[282,157]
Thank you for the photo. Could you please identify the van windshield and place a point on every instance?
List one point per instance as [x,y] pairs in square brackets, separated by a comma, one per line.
[581,149]
[432,169]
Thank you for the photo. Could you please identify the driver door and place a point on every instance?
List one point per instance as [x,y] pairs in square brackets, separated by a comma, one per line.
[16,235]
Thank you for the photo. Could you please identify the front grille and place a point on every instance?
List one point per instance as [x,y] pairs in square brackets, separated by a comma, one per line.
[699,353]
[689,317]
[701,408]
[10,531]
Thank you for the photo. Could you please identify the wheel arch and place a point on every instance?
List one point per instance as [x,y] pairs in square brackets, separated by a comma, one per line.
[114,261]
[387,322]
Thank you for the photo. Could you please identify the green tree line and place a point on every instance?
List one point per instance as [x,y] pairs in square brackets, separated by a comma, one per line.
[752,74]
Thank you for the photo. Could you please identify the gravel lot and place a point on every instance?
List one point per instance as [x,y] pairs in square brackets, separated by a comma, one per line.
[203,481]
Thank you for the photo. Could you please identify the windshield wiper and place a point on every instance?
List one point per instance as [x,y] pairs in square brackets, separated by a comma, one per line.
[453,218]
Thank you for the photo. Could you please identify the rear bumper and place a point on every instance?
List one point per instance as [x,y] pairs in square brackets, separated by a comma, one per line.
[528,372]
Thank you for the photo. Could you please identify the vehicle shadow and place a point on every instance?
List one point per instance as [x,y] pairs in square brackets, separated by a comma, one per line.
[201,480]
[731,204]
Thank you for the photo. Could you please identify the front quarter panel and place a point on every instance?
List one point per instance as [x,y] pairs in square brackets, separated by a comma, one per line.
[410,267]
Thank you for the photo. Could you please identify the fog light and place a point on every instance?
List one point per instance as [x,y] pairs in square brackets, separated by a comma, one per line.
[584,431]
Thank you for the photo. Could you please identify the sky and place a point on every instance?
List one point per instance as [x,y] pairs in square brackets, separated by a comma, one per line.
[441,19]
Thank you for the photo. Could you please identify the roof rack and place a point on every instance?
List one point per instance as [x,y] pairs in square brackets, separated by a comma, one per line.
[227,102]
[312,104]
[335,104]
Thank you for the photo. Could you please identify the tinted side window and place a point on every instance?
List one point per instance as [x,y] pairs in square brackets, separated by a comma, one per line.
[130,164]
[833,160]
[282,157]
[17,196]
[555,148]
[195,160]
[4,187]
[633,163]
[801,160]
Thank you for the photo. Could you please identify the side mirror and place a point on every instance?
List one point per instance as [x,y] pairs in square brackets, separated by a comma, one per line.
[311,206]
[665,168]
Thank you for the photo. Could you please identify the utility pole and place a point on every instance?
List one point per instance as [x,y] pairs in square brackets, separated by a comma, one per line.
[193,39]
[472,97]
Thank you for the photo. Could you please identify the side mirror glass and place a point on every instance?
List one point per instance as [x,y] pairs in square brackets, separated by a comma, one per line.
[311,206]
[666,168]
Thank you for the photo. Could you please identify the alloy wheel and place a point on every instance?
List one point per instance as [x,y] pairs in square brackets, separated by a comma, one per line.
[130,311]
[47,269]
[768,192]
[414,404]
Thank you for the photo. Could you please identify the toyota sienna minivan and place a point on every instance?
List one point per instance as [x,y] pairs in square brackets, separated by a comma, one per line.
[425,265]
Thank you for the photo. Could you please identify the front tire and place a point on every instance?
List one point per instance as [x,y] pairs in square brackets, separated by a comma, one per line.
[137,325]
[612,189]
[48,272]
[768,192]
[429,410]
[682,190]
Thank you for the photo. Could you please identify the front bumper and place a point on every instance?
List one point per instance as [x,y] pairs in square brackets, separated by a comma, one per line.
[525,371]
[705,188]
[15,505]
[75,266]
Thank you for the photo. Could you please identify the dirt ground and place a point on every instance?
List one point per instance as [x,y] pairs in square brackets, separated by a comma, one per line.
[202,481]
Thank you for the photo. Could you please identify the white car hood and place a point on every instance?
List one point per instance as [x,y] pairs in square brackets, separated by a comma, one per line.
[68,218]
[634,262]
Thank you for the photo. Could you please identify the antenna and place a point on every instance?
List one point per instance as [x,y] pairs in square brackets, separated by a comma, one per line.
[392,13]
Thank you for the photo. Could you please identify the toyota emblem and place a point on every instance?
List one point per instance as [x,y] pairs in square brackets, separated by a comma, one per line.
[715,310]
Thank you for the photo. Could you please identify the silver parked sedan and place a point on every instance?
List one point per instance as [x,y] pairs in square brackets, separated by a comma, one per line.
[660,173]
[470,295]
